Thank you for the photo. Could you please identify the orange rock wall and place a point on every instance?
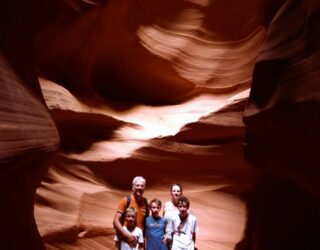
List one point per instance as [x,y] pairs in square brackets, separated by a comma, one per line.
[158,89]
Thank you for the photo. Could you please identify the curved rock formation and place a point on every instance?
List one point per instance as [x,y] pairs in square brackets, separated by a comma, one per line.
[157,53]
[282,131]
[158,88]
[28,136]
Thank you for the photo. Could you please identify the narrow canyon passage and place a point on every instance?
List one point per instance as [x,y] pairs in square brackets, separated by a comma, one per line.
[219,96]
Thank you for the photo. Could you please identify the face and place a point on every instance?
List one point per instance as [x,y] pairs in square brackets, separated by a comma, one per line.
[130,219]
[155,209]
[138,189]
[183,208]
[175,192]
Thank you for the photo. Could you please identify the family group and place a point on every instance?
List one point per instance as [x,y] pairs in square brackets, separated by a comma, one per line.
[139,225]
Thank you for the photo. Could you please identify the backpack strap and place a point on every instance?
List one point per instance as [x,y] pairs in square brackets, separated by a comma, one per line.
[128,201]
[146,204]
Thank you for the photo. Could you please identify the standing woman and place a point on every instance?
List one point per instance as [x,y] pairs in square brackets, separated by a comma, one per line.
[170,209]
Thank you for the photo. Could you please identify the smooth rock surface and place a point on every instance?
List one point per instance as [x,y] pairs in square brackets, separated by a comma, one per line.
[159,89]
[165,89]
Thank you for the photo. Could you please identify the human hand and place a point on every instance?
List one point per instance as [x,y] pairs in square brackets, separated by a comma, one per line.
[131,240]
[164,240]
[168,241]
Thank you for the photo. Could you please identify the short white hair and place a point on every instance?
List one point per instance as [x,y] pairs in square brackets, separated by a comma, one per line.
[138,179]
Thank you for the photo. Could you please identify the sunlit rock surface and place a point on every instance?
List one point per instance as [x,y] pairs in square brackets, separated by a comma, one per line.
[152,89]
[158,88]
[164,144]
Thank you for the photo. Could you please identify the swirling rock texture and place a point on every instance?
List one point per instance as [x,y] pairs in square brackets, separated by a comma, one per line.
[28,136]
[152,89]
[282,121]
[158,88]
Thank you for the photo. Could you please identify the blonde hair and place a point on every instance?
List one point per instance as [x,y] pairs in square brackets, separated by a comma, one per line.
[131,210]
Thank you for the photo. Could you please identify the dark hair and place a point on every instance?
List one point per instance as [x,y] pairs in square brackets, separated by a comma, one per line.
[157,201]
[183,199]
[176,184]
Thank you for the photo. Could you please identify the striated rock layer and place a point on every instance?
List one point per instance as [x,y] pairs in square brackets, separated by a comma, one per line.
[282,131]
[152,89]
[28,136]
[158,89]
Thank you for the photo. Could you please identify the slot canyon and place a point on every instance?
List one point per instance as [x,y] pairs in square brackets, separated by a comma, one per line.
[221,96]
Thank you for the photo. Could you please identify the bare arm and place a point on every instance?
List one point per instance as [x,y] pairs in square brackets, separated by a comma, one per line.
[141,246]
[194,237]
[117,224]
[117,245]
[164,240]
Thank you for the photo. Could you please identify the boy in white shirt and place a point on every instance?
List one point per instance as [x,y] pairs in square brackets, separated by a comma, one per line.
[183,227]
[130,226]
